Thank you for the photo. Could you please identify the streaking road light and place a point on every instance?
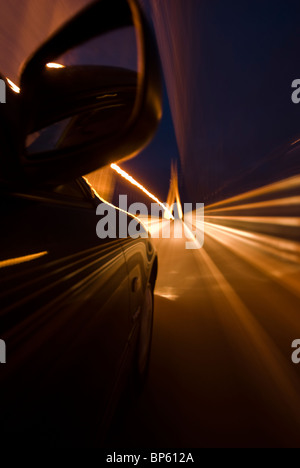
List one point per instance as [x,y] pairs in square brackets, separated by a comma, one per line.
[144,223]
[140,186]
[191,225]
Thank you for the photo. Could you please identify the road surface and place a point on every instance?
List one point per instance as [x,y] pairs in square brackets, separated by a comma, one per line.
[221,373]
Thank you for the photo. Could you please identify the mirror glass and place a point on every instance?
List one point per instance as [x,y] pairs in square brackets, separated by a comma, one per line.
[116,48]
[89,93]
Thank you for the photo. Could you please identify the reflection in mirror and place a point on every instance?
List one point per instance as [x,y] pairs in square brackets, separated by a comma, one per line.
[110,113]
[91,93]
[114,49]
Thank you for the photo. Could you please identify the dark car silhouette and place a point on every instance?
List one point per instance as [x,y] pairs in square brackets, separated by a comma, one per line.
[76,311]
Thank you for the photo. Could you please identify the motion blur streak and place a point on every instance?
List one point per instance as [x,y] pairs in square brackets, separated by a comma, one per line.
[178,229]
[137,184]
[13,86]
[257,252]
[281,186]
[16,261]
[251,332]
[226,316]
[154,225]
[173,194]
[98,196]
[268,239]
[269,220]
[272,261]
[55,65]
[260,205]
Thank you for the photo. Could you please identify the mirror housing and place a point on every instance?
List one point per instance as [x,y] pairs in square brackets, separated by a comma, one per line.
[49,95]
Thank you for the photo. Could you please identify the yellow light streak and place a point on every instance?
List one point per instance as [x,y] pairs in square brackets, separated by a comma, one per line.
[276,220]
[54,65]
[277,258]
[173,194]
[139,220]
[245,328]
[130,179]
[278,243]
[105,201]
[18,260]
[13,86]
[286,184]
[16,88]
[288,201]
[268,242]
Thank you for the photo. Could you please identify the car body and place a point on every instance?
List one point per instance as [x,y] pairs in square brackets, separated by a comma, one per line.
[70,312]
[76,310]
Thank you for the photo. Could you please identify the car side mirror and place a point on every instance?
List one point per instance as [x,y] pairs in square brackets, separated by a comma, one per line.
[76,118]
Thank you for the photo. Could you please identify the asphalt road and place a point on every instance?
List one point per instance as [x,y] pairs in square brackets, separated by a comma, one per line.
[221,373]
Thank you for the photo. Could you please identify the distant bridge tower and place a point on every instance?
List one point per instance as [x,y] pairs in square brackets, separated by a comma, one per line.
[173,195]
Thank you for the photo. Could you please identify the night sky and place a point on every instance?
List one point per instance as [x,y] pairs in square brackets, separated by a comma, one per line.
[152,166]
[228,68]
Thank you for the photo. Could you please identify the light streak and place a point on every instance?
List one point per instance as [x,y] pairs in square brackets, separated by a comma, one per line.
[268,241]
[245,328]
[174,191]
[54,65]
[13,86]
[167,293]
[139,220]
[18,260]
[97,195]
[272,220]
[16,88]
[285,202]
[130,179]
[249,268]
[291,183]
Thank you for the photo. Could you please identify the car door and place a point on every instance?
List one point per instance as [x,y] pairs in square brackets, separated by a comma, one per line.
[64,316]
[140,256]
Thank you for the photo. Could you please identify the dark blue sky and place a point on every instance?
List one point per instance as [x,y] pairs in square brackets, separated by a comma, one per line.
[228,67]
[153,165]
